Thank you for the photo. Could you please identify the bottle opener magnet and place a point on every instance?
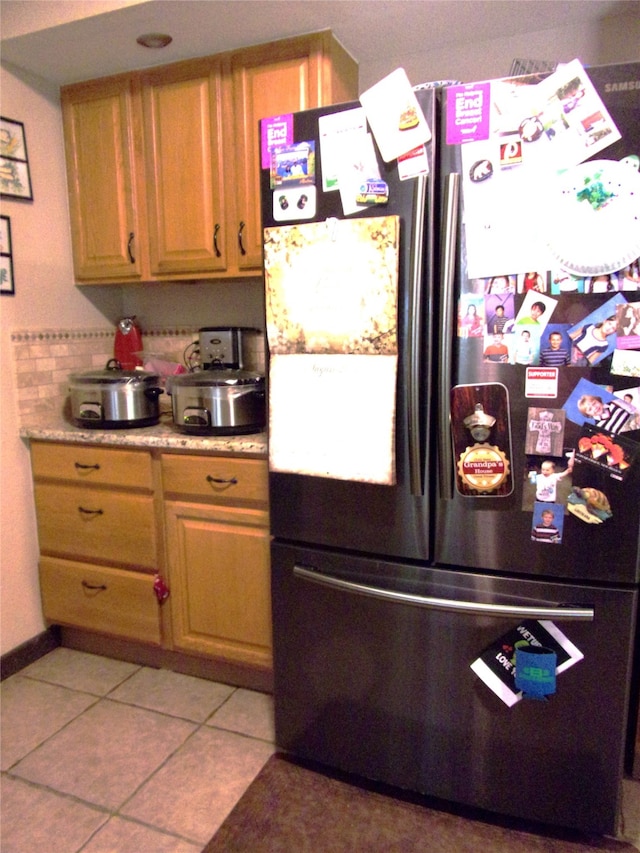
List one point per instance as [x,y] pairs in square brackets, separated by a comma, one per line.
[481,429]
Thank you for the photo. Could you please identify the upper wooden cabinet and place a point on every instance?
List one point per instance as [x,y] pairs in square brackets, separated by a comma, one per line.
[188,132]
[104,158]
[274,79]
[184,169]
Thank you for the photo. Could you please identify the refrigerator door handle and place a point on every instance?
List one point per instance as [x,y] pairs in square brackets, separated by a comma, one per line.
[475,608]
[414,337]
[447,331]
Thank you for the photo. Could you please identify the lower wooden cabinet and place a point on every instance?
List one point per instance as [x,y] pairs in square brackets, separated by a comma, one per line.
[220,588]
[111,520]
[217,528]
[100,547]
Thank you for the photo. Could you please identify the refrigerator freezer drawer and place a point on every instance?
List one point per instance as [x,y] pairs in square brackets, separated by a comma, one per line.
[384,688]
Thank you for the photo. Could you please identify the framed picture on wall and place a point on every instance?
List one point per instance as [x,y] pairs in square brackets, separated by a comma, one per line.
[7,283]
[15,178]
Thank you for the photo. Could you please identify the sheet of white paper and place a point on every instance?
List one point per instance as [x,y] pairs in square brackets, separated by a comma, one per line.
[334,129]
[502,216]
[356,166]
[333,416]
[505,213]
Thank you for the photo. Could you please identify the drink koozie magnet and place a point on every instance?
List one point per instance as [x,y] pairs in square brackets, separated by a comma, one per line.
[535,671]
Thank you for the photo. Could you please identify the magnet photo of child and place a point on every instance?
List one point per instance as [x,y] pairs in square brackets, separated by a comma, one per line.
[628,326]
[548,521]
[500,284]
[563,282]
[594,337]
[499,311]
[525,347]
[555,346]
[548,480]
[536,311]
[532,281]
[594,404]
[631,397]
[471,316]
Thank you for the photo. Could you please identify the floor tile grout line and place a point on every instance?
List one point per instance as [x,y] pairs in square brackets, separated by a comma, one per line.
[107,812]
[104,810]
[56,732]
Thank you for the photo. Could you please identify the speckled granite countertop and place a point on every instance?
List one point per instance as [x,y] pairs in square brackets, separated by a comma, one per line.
[164,436]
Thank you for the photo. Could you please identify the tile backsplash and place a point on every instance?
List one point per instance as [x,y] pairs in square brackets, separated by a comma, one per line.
[44,358]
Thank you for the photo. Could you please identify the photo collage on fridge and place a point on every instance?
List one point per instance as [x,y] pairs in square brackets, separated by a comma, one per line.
[550,304]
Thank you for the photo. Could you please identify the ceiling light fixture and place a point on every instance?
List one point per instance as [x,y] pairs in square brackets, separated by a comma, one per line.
[154,40]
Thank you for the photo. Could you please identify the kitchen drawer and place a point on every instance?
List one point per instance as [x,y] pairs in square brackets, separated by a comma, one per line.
[95,465]
[111,600]
[97,524]
[220,478]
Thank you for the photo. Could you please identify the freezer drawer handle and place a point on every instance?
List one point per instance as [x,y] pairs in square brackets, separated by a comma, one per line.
[585,614]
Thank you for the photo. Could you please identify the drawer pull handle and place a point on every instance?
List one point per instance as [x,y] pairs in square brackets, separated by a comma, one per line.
[230,482]
[215,240]
[82,467]
[90,511]
[94,587]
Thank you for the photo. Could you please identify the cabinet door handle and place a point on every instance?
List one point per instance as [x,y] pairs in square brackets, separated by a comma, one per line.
[84,511]
[215,240]
[129,251]
[82,467]
[231,481]
[243,251]
[94,587]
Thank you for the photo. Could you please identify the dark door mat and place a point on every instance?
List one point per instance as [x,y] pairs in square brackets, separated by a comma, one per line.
[292,808]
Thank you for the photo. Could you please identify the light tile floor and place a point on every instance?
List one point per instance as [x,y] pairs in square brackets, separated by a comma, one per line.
[103,756]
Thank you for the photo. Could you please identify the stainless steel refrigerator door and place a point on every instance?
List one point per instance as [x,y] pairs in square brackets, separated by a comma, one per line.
[384,689]
[493,533]
[391,520]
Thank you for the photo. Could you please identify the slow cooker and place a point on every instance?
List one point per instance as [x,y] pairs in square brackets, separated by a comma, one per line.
[218,402]
[114,398]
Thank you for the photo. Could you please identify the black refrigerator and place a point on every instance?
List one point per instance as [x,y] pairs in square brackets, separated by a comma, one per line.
[505,513]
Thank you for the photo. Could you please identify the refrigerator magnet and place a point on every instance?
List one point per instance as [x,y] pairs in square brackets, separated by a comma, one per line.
[395,116]
[275,132]
[480,414]
[294,165]
[291,203]
[589,504]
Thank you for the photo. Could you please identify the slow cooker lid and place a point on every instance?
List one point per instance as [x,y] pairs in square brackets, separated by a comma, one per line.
[115,377]
[213,378]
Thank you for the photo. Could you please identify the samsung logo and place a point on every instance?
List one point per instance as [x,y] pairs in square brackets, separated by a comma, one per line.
[625,86]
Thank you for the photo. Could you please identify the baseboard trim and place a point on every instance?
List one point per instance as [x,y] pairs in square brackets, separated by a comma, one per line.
[29,652]
[159,658]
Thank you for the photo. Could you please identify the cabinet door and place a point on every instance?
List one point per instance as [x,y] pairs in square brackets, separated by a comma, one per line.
[182,120]
[273,79]
[264,84]
[101,127]
[220,586]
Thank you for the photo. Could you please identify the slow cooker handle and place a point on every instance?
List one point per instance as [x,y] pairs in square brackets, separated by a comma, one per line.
[153,393]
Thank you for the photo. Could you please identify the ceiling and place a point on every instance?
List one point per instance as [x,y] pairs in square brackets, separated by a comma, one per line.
[100,44]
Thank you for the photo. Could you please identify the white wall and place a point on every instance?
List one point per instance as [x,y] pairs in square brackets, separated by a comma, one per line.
[45,298]
[615,40]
